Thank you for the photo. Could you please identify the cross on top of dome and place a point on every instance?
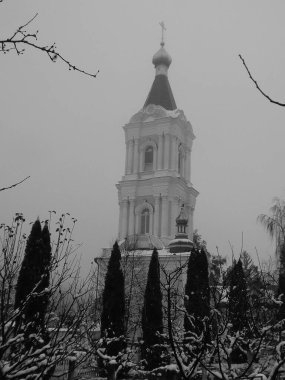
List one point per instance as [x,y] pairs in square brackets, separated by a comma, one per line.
[162,57]
[163,28]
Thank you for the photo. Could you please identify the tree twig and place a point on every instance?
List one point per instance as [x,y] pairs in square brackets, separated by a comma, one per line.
[22,38]
[257,85]
[15,184]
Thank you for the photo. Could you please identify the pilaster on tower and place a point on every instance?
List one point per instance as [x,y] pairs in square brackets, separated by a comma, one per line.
[157,178]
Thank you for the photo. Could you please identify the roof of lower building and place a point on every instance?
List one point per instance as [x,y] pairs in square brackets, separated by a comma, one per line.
[163,253]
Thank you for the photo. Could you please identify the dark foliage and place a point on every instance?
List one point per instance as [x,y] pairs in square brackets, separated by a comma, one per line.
[281,283]
[238,307]
[198,241]
[113,313]
[257,288]
[197,292]
[238,303]
[152,315]
[32,292]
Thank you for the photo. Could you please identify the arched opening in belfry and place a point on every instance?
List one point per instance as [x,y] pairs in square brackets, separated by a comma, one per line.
[145,221]
[148,158]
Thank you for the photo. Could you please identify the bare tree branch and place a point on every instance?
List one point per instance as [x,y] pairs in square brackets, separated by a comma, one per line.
[67,323]
[22,38]
[15,184]
[257,85]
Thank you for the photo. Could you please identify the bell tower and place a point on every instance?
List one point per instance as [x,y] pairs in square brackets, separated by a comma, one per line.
[157,178]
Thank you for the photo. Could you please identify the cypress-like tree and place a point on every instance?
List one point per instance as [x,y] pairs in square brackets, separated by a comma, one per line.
[152,314]
[238,307]
[33,279]
[197,292]
[113,313]
[238,302]
[281,283]
[47,257]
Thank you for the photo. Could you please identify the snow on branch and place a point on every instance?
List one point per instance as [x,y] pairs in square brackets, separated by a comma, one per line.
[32,350]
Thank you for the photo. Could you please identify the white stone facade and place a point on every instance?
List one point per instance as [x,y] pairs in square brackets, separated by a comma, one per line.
[157,178]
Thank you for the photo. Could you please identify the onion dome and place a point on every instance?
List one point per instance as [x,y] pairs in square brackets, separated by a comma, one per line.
[160,93]
[162,57]
[181,243]
[182,220]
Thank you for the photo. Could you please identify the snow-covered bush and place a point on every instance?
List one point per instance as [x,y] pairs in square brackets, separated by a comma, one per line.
[261,341]
[29,350]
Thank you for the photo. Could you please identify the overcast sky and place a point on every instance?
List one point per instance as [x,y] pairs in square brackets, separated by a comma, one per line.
[65,129]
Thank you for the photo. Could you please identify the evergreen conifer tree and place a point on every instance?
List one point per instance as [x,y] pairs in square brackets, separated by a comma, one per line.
[238,307]
[281,283]
[113,313]
[152,317]
[238,303]
[32,293]
[47,257]
[197,291]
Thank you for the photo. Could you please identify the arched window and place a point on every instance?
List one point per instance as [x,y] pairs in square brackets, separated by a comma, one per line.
[145,221]
[148,158]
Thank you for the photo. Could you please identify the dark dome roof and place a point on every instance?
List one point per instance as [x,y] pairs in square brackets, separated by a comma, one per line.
[161,94]
[161,57]
[179,245]
[182,217]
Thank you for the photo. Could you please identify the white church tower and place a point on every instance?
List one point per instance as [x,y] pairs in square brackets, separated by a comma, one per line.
[157,178]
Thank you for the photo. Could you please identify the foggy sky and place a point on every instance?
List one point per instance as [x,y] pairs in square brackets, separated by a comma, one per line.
[65,129]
